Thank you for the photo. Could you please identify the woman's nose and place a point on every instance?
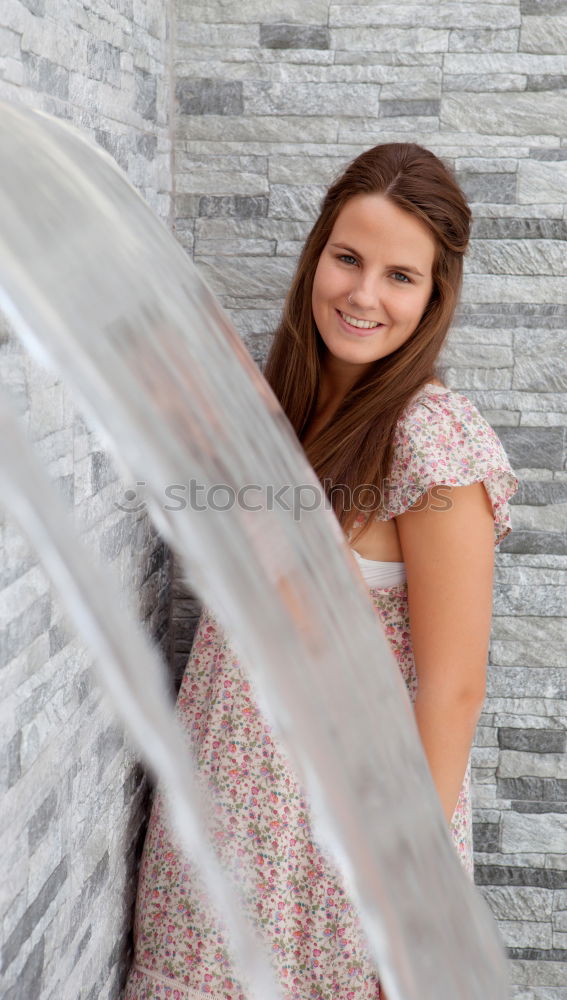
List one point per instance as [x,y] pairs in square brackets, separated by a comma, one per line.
[367,294]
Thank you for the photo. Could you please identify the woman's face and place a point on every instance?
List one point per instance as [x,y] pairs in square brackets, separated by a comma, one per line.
[380,257]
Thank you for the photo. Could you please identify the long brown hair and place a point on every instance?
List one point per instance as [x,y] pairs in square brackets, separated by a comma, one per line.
[356,446]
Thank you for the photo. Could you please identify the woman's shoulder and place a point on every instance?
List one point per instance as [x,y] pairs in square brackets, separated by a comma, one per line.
[438,417]
[443,439]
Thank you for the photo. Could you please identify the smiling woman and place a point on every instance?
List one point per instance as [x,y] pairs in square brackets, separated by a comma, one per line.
[384,300]
[353,365]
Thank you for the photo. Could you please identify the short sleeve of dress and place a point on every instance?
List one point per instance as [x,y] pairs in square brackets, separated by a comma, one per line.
[443,439]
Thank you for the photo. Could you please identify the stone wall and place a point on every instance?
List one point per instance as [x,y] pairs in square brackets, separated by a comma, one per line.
[74,800]
[273,99]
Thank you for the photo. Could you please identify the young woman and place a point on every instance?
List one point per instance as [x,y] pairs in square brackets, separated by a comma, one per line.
[353,365]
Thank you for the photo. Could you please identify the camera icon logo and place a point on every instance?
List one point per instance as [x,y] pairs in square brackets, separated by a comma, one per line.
[132,503]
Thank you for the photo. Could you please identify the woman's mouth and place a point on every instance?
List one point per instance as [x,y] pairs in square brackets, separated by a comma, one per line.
[360,327]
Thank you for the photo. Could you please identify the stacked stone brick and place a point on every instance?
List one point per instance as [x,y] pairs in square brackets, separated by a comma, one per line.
[74,798]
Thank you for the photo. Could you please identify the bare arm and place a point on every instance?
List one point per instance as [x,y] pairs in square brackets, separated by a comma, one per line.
[449,557]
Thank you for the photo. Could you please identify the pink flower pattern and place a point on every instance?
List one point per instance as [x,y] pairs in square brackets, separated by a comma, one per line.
[299,903]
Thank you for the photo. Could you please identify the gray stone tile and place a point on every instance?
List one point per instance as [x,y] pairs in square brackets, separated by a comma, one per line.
[292,11]
[186,205]
[491,187]
[298,203]
[515,314]
[33,914]
[108,743]
[235,206]
[486,836]
[294,36]
[504,256]
[259,129]
[300,170]
[102,470]
[134,784]
[448,15]
[488,63]
[549,154]
[496,113]
[42,819]
[480,83]
[390,39]
[400,108]
[235,248]
[519,229]
[532,681]
[519,902]
[543,632]
[533,740]
[23,629]
[146,94]
[118,145]
[538,975]
[209,96]
[521,763]
[478,356]
[146,145]
[310,99]
[29,984]
[18,556]
[86,937]
[541,374]
[89,891]
[538,954]
[534,447]
[514,875]
[43,75]
[542,7]
[36,7]
[13,759]
[103,61]
[116,537]
[483,40]
[534,789]
[546,81]
[535,542]
[59,635]
[225,37]
[542,33]
[224,182]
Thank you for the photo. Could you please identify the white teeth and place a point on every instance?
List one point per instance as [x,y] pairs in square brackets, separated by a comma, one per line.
[362,324]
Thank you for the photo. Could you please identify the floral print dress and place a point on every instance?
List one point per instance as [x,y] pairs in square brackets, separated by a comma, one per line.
[300,905]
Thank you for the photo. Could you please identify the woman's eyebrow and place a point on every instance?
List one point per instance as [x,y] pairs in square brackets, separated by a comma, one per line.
[398,267]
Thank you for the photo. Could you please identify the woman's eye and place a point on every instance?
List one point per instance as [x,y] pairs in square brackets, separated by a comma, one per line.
[347,258]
